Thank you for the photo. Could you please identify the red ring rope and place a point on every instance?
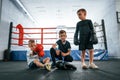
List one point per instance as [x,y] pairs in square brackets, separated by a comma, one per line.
[21,33]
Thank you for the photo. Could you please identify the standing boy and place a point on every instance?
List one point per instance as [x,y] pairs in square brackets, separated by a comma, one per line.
[82,35]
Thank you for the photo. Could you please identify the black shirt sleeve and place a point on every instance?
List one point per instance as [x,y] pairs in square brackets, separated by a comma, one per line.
[76,32]
[69,46]
[76,42]
[91,26]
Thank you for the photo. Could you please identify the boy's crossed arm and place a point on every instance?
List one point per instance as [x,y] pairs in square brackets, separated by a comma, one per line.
[65,54]
[58,51]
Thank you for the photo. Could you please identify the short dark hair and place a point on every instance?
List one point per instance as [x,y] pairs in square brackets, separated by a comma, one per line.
[62,31]
[31,41]
[83,10]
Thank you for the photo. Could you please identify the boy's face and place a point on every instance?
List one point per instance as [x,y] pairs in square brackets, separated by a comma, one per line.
[81,15]
[63,36]
[31,45]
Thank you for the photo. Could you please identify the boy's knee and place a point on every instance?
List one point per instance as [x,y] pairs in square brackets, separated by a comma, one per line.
[83,51]
[48,58]
[35,61]
[52,50]
[91,50]
[58,52]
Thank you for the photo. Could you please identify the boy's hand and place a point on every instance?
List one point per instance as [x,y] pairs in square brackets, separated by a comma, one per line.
[31,54]
[64,54]
[58,52]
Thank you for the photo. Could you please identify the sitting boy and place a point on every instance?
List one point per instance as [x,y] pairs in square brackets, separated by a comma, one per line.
[61,49]
[35,56]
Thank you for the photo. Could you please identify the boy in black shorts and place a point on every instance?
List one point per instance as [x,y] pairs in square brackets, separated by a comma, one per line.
[61,49]
[82,35]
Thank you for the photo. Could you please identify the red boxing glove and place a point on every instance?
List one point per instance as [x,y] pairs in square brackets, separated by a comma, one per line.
[39,50]
[41,53]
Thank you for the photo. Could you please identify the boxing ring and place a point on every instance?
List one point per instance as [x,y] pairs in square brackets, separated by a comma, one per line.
[47,36]
[118,16]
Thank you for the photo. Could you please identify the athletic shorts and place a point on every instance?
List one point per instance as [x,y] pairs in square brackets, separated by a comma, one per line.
[32,65]
[85,43]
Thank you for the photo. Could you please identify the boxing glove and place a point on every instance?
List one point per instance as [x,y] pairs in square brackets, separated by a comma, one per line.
[39,50]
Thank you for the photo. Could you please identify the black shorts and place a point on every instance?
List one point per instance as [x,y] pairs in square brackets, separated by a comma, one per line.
[85,43]
[32,65]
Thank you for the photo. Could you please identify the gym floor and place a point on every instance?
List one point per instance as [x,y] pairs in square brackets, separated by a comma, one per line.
[18,70]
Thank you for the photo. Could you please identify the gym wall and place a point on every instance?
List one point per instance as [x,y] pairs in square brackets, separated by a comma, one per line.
[10,13]
[0,9]
[117,5]
[112,31]
[118,9]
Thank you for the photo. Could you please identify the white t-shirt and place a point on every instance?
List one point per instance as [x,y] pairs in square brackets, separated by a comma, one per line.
[31,58]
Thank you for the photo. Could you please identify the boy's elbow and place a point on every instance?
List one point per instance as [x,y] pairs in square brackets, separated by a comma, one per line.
[69,51]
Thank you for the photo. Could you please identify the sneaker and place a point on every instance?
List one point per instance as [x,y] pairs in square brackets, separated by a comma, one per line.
[93,66]
[84,66]
[48,67]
